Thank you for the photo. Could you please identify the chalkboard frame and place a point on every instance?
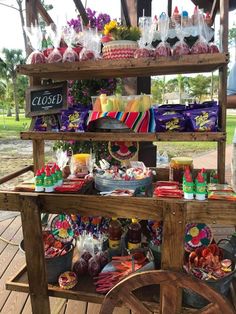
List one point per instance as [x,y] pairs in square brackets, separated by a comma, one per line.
[31,90]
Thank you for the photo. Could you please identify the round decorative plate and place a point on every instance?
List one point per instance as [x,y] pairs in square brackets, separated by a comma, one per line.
[62,228]
[196,236]
[121,151]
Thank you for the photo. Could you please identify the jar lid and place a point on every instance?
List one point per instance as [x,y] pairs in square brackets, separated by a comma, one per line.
[182,160]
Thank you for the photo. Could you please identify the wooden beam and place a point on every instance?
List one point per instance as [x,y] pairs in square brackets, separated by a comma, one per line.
[16,174]
[34,253]
[125,12]
[43,12]
[31,12]
[214,10]
[82,12]
[169,8]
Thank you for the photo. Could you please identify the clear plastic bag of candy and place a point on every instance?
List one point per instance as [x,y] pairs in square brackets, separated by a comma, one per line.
[201,45]
[91,43]
[180,48]
[163,49]
[55,34]
[35,37]
[69,35]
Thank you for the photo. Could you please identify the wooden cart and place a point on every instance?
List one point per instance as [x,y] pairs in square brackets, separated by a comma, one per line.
[174,213]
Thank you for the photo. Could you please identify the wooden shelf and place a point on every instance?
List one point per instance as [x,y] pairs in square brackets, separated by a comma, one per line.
[124,136]
[209,211]
[124,68]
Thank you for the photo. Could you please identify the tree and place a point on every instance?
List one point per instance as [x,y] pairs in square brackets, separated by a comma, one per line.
[158,90]
[199,86]
[179,84]
[20,7]
[12,57]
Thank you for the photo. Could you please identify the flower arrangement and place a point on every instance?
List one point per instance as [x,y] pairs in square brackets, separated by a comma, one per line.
[95,21]
[116,31]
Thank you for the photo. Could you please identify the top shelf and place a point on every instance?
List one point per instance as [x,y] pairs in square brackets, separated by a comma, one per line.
[125,68]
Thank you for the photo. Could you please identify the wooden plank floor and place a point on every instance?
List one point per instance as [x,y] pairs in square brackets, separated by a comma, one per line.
[11,259]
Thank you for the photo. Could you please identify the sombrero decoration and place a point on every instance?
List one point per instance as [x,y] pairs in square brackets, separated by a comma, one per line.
[62,228]
[122,151]
[196,236]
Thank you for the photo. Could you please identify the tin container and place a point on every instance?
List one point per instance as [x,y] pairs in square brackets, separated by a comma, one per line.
[178,166]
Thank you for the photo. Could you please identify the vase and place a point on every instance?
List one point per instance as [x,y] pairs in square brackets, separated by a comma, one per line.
[119,49]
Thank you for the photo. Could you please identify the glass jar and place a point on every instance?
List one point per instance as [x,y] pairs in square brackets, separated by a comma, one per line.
[178,166]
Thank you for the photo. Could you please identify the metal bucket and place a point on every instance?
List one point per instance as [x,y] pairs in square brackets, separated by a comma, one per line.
[55,266]
[221,285]
[106,185]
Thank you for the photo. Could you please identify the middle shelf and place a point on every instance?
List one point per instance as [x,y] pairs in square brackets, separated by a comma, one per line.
[126,136]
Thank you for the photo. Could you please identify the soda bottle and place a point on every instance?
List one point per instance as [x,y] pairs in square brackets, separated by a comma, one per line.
[114,234]
[134,235]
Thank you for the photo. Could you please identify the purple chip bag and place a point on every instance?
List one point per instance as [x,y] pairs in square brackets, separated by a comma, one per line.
[205,104]
[74,119]
[170,108]
[202,120]
[169,122]
[46,123]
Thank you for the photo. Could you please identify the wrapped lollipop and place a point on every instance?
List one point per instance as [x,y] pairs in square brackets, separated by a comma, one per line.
[201,45]
[163,49]
[147,27]
[180,48]
[55,33]
[35,37]
[69,35]
[90,41]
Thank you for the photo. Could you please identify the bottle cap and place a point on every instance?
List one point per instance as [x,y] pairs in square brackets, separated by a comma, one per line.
[48,173]
[176,10]
[53,171]
[42,169]
[184,14]
[134,220]
[38,173]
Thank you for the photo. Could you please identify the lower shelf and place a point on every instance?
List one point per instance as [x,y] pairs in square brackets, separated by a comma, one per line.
[85,291]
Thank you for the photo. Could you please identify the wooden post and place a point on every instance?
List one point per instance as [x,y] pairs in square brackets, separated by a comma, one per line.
[169,8]
[47,18]
[38,154]
[224,9]
[34,252]
[135,9]
[82,12]
[173,253]
[125,12]
[31,12]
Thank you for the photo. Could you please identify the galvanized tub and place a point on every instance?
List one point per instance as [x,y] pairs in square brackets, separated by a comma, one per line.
[106,185]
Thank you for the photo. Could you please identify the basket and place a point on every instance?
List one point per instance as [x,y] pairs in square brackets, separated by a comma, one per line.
[106,185]
[55,266]
[221,285]
[119,49]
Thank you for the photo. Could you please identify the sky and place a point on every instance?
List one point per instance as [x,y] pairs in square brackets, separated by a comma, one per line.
[10,28]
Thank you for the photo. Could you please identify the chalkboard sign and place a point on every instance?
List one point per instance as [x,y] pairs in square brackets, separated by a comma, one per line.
[45,100]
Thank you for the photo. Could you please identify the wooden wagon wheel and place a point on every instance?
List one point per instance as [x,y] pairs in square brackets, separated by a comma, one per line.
[123,292]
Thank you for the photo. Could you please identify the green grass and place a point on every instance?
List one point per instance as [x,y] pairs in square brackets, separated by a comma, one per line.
[191,148]
[9,128]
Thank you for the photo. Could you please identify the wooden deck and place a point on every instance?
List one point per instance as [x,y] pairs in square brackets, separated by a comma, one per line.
[11,260]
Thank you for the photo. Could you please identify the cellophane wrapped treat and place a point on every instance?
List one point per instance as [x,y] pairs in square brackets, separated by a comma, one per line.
[69,35]
[202,117]
[180,48]
[74,119]
[90,41]
[35,37]
[170,118]
[163,49]
[201,45]
[55,33]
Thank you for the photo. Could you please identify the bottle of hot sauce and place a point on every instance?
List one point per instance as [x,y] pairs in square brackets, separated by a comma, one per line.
[134,235]
[114,234]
